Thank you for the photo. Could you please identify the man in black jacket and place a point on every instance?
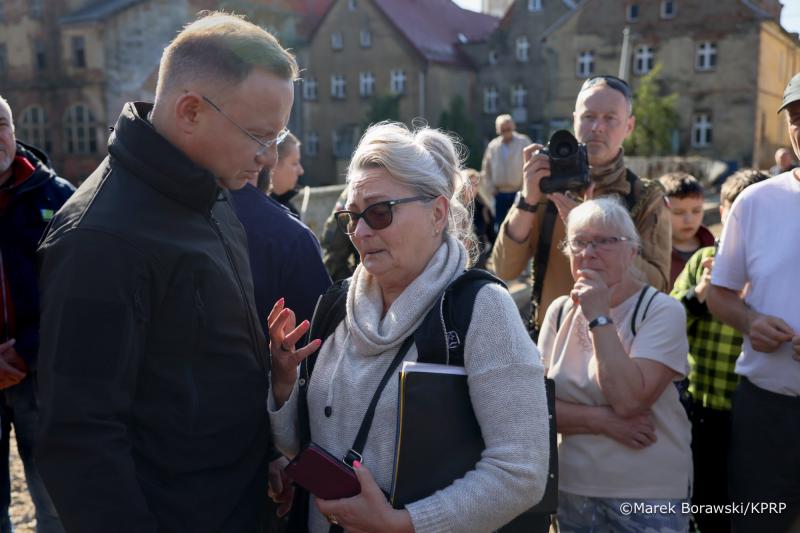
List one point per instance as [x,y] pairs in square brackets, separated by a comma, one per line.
[30,193]
[154,367]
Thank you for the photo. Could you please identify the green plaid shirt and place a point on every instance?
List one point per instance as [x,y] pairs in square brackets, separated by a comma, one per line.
[713,346]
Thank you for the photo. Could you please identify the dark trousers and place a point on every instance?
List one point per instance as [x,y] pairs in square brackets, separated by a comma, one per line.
[765,458]
[711,432]
[502,203]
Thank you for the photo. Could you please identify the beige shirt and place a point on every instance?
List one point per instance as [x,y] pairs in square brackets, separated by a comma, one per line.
[599,466]
[502,163]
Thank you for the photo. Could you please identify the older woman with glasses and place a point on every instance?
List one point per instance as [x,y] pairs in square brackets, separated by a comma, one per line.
[404,216]
[614,347]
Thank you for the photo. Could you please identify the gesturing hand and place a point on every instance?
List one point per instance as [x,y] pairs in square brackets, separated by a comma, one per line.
[701,289]
[591,293]
[283,337]
[767,333]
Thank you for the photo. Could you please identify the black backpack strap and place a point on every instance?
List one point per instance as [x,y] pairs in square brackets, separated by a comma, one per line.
[540,261]
[562,310]
[630,198]
[636,309]
[441,336]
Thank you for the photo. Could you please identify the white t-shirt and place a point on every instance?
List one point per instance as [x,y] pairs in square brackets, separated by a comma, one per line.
[599,466]
[761,246]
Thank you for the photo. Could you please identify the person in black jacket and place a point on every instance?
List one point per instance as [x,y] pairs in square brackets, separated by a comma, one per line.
[30,193]
[153,364]
[284,176]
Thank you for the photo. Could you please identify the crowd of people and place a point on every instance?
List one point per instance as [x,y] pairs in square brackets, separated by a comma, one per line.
[167,345]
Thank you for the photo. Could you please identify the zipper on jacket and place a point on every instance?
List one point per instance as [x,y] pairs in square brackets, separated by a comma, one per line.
[253,337]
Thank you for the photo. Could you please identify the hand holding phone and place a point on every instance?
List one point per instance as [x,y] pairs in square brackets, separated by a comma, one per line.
[322,474]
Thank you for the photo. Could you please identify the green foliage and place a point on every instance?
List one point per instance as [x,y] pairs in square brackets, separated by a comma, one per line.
[456,120]
[656,118]
[385,107]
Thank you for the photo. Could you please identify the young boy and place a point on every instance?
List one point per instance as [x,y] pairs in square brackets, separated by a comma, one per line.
[713,349]
[685,194]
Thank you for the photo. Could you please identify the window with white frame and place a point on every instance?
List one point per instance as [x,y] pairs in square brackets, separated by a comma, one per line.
[490,100]
[519,95]
[40,55]
[632,13]
[397,81]
[585,65]
[337,85]
[492,57]
[80,130]
[365,38]
[706,56]
[702,130]
[534,5]
[311,146]
[337,41]
[643,59]
[668,9]
[366,83]
[78,51]
[33,128]
[310,89]
[522,48]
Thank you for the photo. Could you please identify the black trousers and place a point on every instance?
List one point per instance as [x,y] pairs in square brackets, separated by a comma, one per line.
[765,459]
[711,432]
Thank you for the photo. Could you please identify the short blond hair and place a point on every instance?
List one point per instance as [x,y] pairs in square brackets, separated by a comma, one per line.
[222,47]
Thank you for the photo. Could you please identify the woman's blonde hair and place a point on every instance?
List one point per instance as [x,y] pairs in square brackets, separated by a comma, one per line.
[426,160]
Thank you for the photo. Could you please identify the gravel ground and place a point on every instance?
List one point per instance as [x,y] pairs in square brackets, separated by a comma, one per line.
[22,512]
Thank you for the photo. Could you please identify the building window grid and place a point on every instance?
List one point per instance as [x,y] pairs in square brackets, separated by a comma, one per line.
[337,40]
[366,84]
[522,48]
[519,95]
[490,100]
[643,59]
[40,56]
[632,13]
[706,56]
[365,39]
[397,83]
[78,51]
[668,9]
[35,8]
[3,58]
[337,86]
[311,146]
[310,89]
[702,130]
[352,5]
[79,127]
[492,57]
[534,5]
[33,128]
[585,64]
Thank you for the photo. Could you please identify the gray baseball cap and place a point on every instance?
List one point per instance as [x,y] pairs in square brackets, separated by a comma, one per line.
[792,92]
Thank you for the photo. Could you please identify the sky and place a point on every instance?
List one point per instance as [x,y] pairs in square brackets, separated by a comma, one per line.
[790,16]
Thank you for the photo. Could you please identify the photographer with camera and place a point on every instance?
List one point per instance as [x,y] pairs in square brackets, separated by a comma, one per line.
[568,172]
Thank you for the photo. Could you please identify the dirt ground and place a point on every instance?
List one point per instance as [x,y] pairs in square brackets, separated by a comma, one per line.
[22,513]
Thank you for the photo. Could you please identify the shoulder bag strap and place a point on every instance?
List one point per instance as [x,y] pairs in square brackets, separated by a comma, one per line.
[540,264]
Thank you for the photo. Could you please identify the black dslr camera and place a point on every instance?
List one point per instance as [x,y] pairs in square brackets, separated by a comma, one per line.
[569,164]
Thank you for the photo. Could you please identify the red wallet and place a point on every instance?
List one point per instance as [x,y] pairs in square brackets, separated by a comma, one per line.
[322,474]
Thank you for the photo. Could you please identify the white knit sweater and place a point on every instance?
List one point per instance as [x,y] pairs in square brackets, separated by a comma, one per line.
[506,386]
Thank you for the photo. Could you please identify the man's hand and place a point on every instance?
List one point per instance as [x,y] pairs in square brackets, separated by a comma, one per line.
[12,367]
[701,289]
[796,347]
[767,333]
[281,489]
[566,203]
[536,167]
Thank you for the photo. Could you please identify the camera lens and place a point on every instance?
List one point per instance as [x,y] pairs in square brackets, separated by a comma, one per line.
[563,150]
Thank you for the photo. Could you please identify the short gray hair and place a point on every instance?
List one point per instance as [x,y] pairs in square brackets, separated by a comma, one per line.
[426,160]
[4,103]
[222,47]
[606,213]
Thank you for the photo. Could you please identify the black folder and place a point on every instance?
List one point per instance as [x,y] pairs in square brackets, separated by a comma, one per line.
[438,437]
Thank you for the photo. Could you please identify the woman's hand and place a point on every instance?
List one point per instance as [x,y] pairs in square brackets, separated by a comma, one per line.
[367,512]
[280,487]
[283,336]
[591,293]
[637,432]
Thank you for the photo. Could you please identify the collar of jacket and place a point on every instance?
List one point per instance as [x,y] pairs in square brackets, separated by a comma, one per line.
[285,197]
[610,179]
[138,147]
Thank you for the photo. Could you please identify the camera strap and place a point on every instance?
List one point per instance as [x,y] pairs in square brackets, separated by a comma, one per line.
[540,261]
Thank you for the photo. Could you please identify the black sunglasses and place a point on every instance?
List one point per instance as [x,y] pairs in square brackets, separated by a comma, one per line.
[618,84]
[377,216]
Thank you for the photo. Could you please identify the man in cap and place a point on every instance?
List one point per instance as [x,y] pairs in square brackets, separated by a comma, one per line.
[755,289]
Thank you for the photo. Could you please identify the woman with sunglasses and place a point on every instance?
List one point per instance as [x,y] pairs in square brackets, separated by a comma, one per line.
[614,346]
[404,216]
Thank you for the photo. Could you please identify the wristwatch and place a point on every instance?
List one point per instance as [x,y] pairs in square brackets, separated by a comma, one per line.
[520,203]
[602,320]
